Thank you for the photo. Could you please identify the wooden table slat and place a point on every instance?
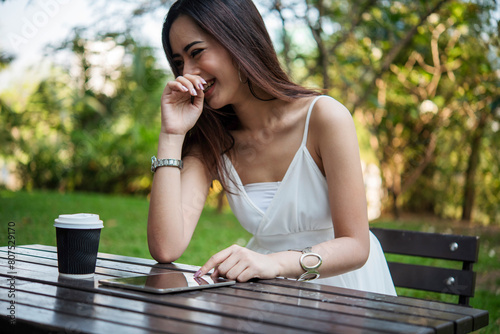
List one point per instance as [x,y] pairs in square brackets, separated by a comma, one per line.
[347,315]
[257,307]
[349,301]
[140,269]
[264,306]
[34,319]
[429,304]
[50,258]
[123,259]
[91,305]
[186,302]
[154,309]
[313,306]
[25,261]
[102,308]
[253,286]
[480,317]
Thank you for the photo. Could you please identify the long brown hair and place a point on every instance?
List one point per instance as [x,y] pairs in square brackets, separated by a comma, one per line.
[238,26]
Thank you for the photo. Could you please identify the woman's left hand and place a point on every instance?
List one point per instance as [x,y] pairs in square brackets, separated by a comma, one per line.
[241,264]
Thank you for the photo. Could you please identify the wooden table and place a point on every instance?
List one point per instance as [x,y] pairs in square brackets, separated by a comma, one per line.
[46,302]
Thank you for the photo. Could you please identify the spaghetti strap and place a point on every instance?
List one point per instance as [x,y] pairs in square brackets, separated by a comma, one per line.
[306,128]
[299,215]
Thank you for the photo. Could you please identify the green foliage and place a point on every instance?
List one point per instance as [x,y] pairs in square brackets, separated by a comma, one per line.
[465,97]
[125,221]
[73,134]
[421,78]
[5,59]
[417,75]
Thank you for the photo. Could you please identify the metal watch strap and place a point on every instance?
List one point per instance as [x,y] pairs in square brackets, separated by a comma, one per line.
[156,163]
[311,272]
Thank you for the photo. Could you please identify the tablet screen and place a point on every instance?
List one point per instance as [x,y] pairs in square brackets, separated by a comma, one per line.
[166,282]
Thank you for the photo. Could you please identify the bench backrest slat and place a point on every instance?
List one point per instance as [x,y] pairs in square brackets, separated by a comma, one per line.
[432,245]
[433,278]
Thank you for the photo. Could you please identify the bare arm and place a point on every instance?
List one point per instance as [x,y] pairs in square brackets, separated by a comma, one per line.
[177,200]
[337,146]
[334,139]
[177,197]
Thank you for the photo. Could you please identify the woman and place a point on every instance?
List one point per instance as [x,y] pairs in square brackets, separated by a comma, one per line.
[288,158]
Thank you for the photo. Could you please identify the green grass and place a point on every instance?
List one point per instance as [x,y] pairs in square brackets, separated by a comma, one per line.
[125,220]
[125,233]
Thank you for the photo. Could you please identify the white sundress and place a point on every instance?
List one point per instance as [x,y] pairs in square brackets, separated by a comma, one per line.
[298,216]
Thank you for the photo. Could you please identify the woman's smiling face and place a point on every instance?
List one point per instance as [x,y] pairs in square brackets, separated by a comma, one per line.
[196,52]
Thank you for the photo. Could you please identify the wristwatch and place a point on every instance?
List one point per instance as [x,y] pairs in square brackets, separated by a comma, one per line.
[155,163]
[311,272]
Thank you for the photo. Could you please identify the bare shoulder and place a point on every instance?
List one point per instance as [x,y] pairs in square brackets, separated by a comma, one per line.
[334,141]
[328,112]
[331,132]
[330,122]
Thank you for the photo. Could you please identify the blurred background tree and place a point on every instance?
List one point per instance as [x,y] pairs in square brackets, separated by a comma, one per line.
[92,126]
[420,77]
[423,78]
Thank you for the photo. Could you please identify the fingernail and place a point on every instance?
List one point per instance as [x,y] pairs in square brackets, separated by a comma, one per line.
[203,80]
[193,92]
[200,86]
[184,88]
[197,274]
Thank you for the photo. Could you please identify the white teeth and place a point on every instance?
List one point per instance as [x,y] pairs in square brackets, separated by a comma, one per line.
[208,86]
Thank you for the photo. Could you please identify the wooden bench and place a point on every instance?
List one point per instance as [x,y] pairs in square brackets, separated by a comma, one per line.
[432,245]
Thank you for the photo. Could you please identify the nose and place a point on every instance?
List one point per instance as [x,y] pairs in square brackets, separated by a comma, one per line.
[190,67]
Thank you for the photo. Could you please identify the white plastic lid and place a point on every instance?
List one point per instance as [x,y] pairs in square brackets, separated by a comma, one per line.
[79,221]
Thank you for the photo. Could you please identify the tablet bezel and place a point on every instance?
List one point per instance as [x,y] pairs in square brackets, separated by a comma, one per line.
[121,282]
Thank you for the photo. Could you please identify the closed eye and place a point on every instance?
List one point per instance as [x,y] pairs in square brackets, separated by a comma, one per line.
[196,52]
[178,64]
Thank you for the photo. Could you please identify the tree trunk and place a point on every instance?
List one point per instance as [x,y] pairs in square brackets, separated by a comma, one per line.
[395,207]
[285,39]
[316,30]
[470,174]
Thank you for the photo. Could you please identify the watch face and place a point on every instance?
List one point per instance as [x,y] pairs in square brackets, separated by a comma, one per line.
[153,164]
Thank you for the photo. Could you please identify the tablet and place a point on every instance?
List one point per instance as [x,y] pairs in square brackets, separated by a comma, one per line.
[166,282]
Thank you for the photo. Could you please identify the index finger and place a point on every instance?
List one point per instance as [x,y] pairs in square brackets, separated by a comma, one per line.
[214,261]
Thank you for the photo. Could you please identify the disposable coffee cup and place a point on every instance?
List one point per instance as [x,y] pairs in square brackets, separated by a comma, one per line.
[77,244]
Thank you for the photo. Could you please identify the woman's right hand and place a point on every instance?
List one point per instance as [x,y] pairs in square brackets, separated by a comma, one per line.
[181,104]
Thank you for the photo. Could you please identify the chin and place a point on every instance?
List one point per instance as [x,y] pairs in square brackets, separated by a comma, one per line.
[214,105]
